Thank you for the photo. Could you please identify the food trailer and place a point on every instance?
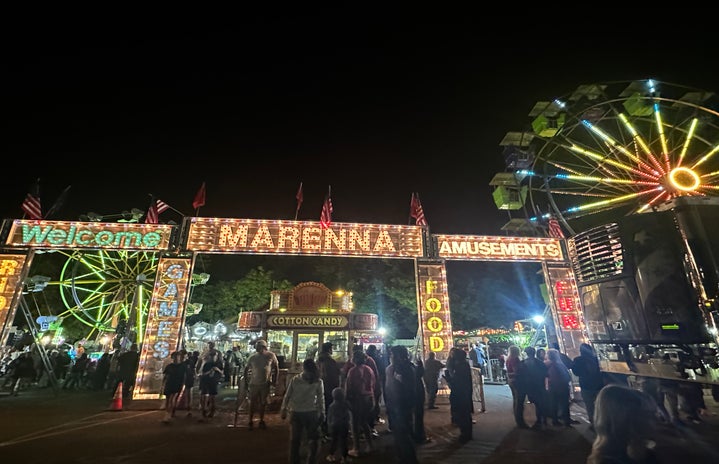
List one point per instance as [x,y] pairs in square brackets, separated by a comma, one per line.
[300,320]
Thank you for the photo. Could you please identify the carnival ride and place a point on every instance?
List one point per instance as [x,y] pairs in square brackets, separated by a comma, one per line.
[608,150]
[101,288]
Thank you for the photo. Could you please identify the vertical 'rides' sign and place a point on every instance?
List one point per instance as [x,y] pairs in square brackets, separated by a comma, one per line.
[11,273]
[164,324]
[434,318]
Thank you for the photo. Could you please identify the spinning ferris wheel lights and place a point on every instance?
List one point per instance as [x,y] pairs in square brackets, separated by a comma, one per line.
[615,148]
[690,134]
[706,157]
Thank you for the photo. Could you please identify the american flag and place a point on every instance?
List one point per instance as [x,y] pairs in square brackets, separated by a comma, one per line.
[162,206]
[416,211]
[153,215]
[554,229]
[326,215]
[157,206]
[31,204]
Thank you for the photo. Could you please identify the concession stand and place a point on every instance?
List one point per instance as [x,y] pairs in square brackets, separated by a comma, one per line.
[300,320]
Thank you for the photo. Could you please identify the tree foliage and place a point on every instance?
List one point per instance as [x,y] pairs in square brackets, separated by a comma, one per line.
[224,300]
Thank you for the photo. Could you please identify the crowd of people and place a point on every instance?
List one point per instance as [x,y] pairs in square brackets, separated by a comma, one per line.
[338,406]
[343,403]
[72,368]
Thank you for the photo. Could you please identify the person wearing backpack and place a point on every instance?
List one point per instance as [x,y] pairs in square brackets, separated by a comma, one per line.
[558,379]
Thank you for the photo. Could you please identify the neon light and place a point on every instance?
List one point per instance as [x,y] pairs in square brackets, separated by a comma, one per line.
[64,234]
[604,159]
[471,248]
[706,157]
[434,314]
[610,201]
[223,235]
[162,335]
[641,143]
[690,134]
[11,270]
[684,172]
[662,138]
[613,143]
[605,180]
[651,202]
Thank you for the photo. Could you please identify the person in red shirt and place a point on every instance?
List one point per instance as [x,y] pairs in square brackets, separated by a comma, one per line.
[359,390]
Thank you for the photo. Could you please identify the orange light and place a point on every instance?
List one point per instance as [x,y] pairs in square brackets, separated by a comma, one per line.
[684,179]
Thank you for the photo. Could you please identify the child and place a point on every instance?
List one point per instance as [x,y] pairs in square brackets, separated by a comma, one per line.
[174,383]
[339,418]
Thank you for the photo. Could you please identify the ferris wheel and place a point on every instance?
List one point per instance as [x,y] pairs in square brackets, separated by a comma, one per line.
[612,149]
[101,288]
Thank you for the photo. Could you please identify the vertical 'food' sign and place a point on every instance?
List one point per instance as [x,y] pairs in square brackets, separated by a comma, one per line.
[433,311]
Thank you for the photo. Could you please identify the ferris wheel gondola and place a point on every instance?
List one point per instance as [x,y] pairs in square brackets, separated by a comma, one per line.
[614,149]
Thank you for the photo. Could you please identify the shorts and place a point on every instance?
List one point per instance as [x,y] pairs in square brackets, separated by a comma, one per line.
[258,393]
[208,386]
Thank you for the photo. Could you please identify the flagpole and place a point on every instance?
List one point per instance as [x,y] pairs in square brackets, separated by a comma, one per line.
[169,207]
[176,210]
[411,204]
[300,198]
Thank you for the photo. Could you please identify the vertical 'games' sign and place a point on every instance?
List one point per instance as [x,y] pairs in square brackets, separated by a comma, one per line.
[164,325]
[433,312]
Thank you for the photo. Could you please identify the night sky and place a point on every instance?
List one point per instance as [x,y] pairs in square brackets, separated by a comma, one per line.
[374,108]
[374,105]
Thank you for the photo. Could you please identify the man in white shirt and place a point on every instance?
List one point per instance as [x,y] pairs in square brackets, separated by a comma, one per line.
[260,373]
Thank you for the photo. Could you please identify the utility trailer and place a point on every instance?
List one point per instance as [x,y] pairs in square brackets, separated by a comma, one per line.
[649,288]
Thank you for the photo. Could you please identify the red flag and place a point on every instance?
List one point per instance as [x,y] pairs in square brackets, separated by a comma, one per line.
[153,215]
[326,216]
[416,211]
[554,229]
[300,198]
[31,204]
[199,197]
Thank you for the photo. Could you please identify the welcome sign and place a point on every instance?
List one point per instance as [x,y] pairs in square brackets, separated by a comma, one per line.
[73,234]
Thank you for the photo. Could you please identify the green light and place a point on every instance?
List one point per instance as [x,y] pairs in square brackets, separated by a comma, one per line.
[670,326]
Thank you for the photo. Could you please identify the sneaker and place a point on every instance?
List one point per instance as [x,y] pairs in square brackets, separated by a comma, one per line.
[331,458]
[353,452]
[374,433]
[262,425]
